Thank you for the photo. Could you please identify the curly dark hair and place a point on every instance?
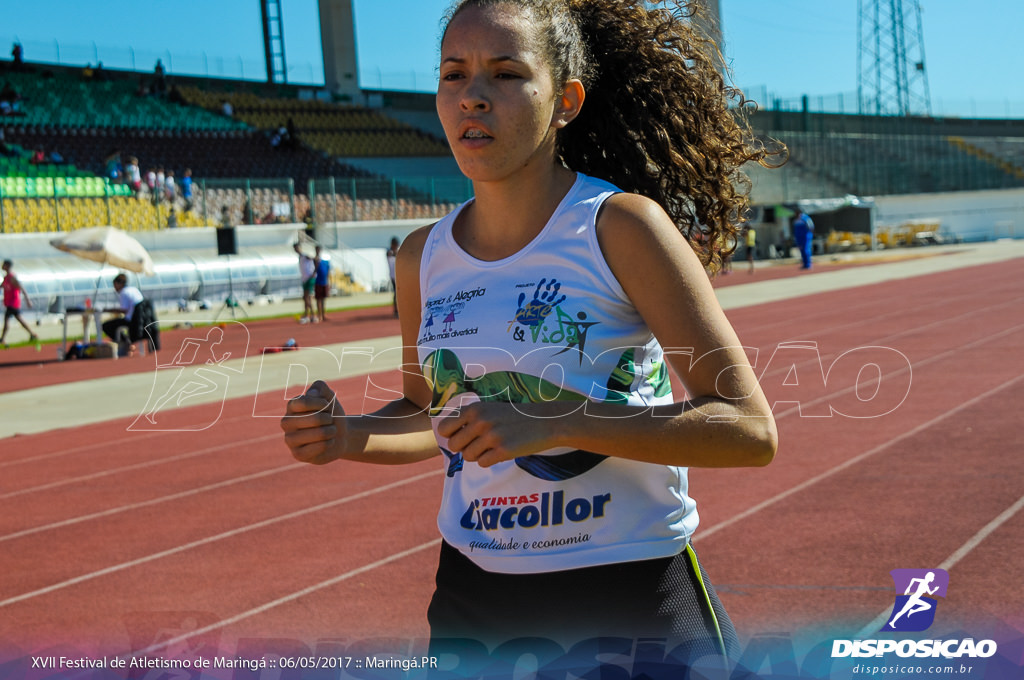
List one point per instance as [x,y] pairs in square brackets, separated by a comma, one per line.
[659,118]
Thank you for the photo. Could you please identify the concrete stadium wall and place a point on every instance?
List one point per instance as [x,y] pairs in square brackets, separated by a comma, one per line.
[969,215]
[188,267]
[265,263]
[354,235]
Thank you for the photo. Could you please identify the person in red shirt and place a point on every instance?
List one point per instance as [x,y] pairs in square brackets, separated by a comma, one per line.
[13,291]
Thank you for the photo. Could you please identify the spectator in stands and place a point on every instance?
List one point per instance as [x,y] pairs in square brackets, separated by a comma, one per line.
[38,156]
[12,291]
[227,109]
[392,255]
[133,175]
[277,138]
[186,188]
[170,188]
[292,134]
[172,219]
[803,235]
[151,183]
[159,79]
[307,275]
[128,297]
[55,157]
[226,221]
[112,166]
[10,100]
[247,213]
[322,284]
[17,56]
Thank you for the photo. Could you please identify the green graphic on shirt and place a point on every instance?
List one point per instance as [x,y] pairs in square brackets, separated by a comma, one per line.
[627,371]
[447,379]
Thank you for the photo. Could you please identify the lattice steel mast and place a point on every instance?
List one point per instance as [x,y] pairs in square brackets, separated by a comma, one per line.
[273,41]
[891,74]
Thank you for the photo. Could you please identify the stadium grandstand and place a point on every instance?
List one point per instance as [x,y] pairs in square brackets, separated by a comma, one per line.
[293,158]
[279,140]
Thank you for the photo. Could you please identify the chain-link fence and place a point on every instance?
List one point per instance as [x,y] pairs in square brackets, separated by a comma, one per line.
[51,205]
[356,199]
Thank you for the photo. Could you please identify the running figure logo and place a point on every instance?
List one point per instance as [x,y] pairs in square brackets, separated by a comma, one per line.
[915,608]
[198,374]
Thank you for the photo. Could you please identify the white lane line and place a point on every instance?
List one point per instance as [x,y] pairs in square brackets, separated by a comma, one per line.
[860,309]
[875,342]
[137,466]
[923,362]
[152,501]
[951,561]
[267,373]
[213,539]
[134,438]
[704,533]
[287,598]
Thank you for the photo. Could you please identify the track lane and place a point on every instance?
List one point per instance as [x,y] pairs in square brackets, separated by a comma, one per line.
[936,382]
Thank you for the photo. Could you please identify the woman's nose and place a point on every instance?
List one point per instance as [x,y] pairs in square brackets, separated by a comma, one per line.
[474,98]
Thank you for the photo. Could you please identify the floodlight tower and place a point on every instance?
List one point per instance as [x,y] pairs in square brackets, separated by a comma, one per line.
[338,38]
[273,41]
[708,21]
[891,75]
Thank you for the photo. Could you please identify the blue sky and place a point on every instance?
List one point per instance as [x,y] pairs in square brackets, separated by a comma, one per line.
[777,48]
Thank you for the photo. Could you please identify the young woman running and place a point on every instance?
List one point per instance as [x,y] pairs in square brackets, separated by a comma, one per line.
[540,320]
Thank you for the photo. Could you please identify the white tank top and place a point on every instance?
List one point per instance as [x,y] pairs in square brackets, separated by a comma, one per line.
[549,322]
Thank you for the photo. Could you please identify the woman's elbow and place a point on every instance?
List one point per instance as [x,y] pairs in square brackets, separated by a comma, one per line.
[761,441]
[767,442]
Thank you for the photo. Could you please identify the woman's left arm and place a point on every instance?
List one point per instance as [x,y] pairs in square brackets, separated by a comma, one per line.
[726,420]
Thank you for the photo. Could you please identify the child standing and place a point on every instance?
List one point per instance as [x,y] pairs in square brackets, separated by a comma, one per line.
[605,166]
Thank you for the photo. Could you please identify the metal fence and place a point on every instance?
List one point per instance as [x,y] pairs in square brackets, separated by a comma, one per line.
[237,201]
[823,164]
[328,199]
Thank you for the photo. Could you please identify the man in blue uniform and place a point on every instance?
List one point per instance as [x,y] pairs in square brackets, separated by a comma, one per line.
[803,236]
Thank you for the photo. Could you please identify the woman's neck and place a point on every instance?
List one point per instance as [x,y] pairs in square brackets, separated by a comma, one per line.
[505,216]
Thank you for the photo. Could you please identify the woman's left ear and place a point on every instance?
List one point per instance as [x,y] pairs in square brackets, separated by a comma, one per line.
[569,104]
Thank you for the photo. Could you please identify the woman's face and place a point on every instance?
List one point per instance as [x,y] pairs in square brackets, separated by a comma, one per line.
[496,98]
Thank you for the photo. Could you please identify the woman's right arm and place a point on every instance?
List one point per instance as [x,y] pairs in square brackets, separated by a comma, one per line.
[318,431]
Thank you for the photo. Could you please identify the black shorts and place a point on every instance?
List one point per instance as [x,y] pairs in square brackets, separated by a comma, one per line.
[669,599]
[12,312]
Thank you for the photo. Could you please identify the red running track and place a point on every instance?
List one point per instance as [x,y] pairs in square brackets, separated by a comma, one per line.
[24,367]
[900,446]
